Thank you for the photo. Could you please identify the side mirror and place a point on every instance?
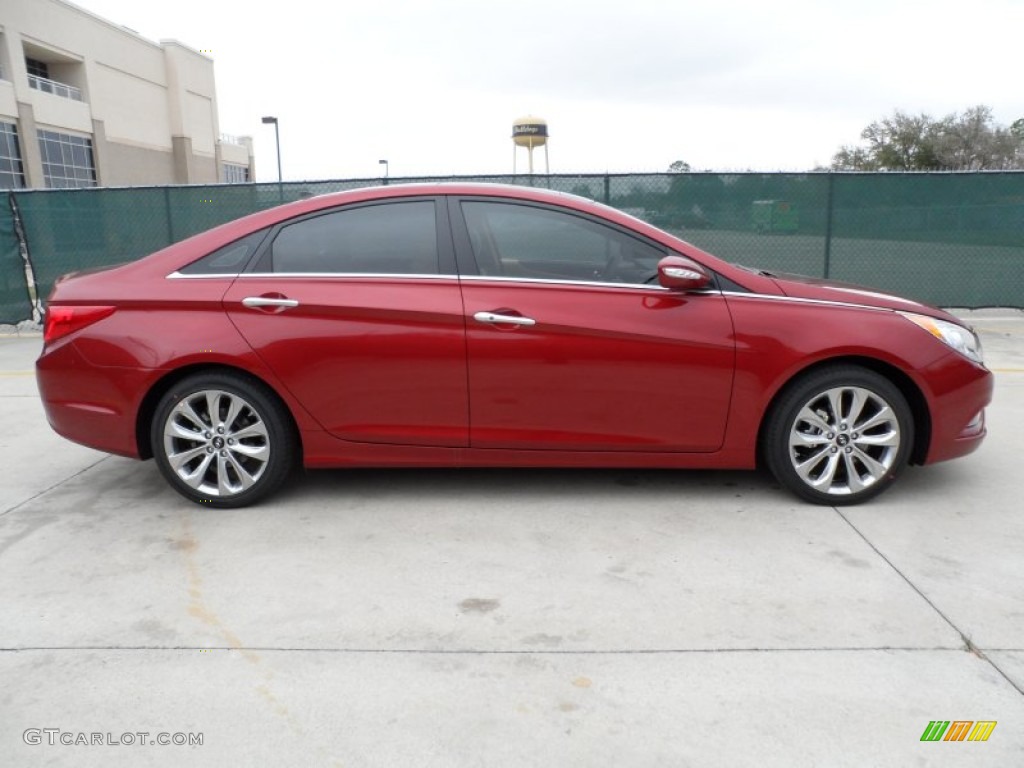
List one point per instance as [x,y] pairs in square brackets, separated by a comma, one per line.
[679,274]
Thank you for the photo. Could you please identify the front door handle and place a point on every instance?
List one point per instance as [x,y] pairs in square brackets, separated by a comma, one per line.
[258,302]
[494,317]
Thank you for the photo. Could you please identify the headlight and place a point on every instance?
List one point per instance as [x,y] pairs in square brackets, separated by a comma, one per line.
[963,340]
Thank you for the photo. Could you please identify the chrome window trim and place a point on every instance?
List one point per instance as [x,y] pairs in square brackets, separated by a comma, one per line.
[217,276]
[800,300]
[589,283]
[351,275]
[467,278]
[319,275]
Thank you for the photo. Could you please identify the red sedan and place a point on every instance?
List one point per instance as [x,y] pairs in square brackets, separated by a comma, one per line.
[479,325]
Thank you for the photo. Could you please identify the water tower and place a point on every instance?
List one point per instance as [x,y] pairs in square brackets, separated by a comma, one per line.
[530,132]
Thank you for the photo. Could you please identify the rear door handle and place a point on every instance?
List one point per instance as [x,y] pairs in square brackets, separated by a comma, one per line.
[494,317]
[257,302]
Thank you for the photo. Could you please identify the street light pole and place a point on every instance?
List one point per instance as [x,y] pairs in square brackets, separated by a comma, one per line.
[387,168]
[277,142]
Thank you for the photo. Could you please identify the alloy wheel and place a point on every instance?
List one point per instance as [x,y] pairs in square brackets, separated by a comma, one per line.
[844,440]
[216,442]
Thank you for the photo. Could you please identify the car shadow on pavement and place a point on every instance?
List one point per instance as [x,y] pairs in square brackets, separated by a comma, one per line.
[542,483]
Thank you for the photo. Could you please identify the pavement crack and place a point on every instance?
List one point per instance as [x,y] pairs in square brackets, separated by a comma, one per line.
[55,485]
[968,645]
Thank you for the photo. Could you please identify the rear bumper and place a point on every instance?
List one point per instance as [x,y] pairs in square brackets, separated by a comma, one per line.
[89,404]
[960,391]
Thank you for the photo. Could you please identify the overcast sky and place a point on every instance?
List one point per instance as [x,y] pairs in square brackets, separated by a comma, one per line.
[433,86]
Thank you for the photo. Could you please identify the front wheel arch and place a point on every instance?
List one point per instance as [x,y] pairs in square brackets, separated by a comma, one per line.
[908,388]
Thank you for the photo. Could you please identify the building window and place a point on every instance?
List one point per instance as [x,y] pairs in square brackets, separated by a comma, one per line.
[67,160]
[37,68]
[12,173]
[235,174]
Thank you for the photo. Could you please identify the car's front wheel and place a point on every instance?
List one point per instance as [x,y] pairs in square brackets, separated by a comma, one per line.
[839,435]
[222,440]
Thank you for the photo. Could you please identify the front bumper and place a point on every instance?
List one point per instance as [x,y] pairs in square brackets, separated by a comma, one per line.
[959,392]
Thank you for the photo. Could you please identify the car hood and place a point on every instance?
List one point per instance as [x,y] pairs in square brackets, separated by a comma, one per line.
[802,287]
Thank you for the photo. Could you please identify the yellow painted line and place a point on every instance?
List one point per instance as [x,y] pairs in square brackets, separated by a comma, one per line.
[1008,370]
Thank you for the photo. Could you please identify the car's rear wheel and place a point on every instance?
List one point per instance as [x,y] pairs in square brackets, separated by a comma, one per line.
[840,435]
[222,439]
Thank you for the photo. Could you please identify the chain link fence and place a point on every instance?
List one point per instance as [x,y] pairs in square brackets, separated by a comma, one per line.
[953,239]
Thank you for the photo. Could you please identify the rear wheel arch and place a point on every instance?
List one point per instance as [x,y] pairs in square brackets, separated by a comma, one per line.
[150,402]
[908,388]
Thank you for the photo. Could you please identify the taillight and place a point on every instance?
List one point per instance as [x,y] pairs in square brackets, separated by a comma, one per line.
[62,320]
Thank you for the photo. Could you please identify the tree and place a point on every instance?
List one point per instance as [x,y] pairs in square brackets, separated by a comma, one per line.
[679,166]
[1017,128]
[854,159]
[970,140]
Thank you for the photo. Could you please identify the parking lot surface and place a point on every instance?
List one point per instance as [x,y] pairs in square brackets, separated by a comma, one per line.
[508,617]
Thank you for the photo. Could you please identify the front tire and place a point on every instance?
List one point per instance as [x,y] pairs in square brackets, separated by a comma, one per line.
[840,435]
[222,440]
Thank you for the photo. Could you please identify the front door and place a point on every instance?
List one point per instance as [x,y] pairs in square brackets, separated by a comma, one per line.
[569,348]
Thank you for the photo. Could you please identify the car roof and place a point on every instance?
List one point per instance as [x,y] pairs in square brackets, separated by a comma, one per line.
[455,188]
[322,202]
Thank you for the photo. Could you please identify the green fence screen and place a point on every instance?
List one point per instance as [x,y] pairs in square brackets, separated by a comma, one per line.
[14,298]
[953,239]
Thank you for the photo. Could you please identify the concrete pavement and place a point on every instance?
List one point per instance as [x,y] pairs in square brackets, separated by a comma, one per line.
[509,618]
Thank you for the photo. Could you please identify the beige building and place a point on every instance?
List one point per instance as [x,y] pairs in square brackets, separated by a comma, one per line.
[86,102]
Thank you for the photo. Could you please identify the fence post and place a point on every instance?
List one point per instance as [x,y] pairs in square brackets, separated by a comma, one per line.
[607,190]
[170,220]
[828,223]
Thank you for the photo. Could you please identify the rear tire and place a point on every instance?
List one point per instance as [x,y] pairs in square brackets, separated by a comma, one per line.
[223,440]
[839,435]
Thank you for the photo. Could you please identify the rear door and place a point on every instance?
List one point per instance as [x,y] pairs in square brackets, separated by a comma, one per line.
[358,311]
[569,346]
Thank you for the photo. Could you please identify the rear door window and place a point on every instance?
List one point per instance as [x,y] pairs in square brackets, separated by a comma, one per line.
[388,238]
